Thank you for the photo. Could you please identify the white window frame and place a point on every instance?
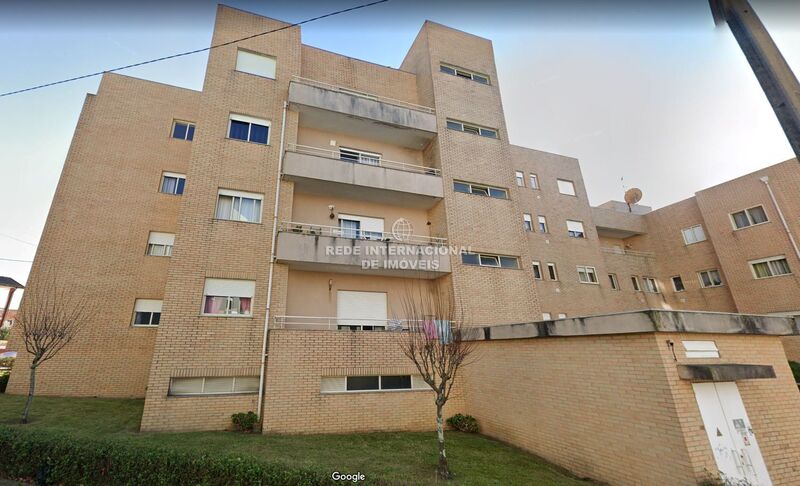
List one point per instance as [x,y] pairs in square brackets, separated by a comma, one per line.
[533,180]
[473,129]
[537,266]
[637,285]
[542,221]
[769,261]
[613,281]
[675,287]
[244,64]
[240,195]
[480,190]
[561,315]
[173,175]
[700,349]
[489,257]
[151,306]
[519,177]
[552,271]
[574,232]
[546,316]
[236,289]
[650,285]
[203,386]
[250,120]
[188,124]
[527,222]
[749,217]
[700,278]
[338,384]
[589,272]
[562,187]
[364,157]
[464,73]
[692,230]
[156,240]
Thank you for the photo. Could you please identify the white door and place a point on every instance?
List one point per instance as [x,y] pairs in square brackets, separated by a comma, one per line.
[732,439]
[361,310]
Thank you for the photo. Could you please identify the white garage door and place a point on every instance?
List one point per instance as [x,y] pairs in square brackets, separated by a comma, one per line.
[361,310]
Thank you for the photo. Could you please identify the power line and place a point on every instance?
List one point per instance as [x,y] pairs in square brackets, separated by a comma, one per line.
[195,51]
[15,260]
[17,239]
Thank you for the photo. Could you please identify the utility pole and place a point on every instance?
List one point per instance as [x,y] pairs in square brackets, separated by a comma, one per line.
[771,69]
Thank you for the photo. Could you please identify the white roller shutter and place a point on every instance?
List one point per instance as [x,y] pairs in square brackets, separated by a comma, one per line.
[249,62]
[229,288]
[161,238]
[361,308]
[147,305]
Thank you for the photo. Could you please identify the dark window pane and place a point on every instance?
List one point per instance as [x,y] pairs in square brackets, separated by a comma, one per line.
[470,258]
[258,133]
[454,125]
[396,382]
[348,155]
[537,272]
[239,130]
[460,187]
[481,191]
[463,74]
[488,133]
[179,131]
[156,318]
[447,70]
[508,262]
[740,219]
[758,215]
[490,261]
[471,129]
[142,318]
[678,284]
[190,133]
[362,383]
[480,79]
[181,183]
[498,193]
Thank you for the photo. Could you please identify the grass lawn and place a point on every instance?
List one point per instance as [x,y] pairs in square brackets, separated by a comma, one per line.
[403,458]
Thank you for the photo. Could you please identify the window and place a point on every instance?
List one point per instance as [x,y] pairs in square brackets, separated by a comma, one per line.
[650,285]
[258,64]
[710,278]
[360,227]
[700,349]
[566,187]
[677,284]
[527,222]
[542,224]
[172,183]
[635,282]
[239,206]
[520,177]
[770,267]
[587,275]
[534,181]
[749,217]
[146,312]
[693,234]
[339,384]
[464,73]
[359,156]
[480,190]
[473,129]
[160,244]
[213,385]
[537,270]
[546,316]
[612,280]
[487,260]
[248,129]
[222,297]
[551,271]
[575,229]
[183,130]
[562,316]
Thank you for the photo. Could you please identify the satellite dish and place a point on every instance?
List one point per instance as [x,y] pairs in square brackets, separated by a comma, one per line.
[633,196]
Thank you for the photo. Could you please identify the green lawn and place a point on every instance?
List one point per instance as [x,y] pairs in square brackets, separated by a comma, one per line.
[403,458]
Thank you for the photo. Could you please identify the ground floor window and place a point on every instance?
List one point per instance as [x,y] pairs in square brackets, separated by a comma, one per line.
[334,384]
[213,385]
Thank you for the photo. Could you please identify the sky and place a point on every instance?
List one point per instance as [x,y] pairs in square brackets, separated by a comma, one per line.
[645,94]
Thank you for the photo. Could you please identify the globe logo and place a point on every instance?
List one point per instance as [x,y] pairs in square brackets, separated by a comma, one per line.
[402,229]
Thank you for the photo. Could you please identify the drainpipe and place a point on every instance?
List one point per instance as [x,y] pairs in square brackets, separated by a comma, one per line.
[271,269]
[765,180]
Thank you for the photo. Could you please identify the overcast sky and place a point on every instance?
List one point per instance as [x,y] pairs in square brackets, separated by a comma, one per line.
[649,91]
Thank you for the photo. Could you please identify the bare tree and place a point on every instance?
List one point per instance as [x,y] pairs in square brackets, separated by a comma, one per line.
[437,342]
[50,316]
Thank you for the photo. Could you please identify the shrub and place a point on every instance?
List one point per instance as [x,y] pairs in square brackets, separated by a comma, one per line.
[244,422]
[58,458]
[464,423]
[795,366]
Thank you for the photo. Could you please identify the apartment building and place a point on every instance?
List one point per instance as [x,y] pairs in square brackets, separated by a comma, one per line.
[302,190]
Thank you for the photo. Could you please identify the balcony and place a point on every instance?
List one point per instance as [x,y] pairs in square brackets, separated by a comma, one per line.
[308,323]
[617,224]
[330,172]
[626,252]
[337,109]
[319,248]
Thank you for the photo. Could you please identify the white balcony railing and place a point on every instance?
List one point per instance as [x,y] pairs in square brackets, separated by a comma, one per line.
[357,234]
[338,323]
[379,162]
[623,251]
[362,94]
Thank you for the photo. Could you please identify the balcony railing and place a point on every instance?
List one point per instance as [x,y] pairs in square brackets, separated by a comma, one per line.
[623,251]
[366,160]
[338,323]
[361,94]
[358,234]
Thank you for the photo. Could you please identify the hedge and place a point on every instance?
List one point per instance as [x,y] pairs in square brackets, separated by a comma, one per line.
[57,458]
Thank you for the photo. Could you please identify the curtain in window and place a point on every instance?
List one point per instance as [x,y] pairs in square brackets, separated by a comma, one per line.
[780,267]
[244,305]
[250,209]
[215,305]
[169,184]
[741,220]
[224,206]
[258,133]
[239,130]
[349,228]
[761,269]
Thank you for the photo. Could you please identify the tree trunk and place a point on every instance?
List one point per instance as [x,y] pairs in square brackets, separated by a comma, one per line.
[444,471]
[31,387]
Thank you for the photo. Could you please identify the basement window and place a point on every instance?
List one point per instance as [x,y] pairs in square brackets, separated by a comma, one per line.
[213,385]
